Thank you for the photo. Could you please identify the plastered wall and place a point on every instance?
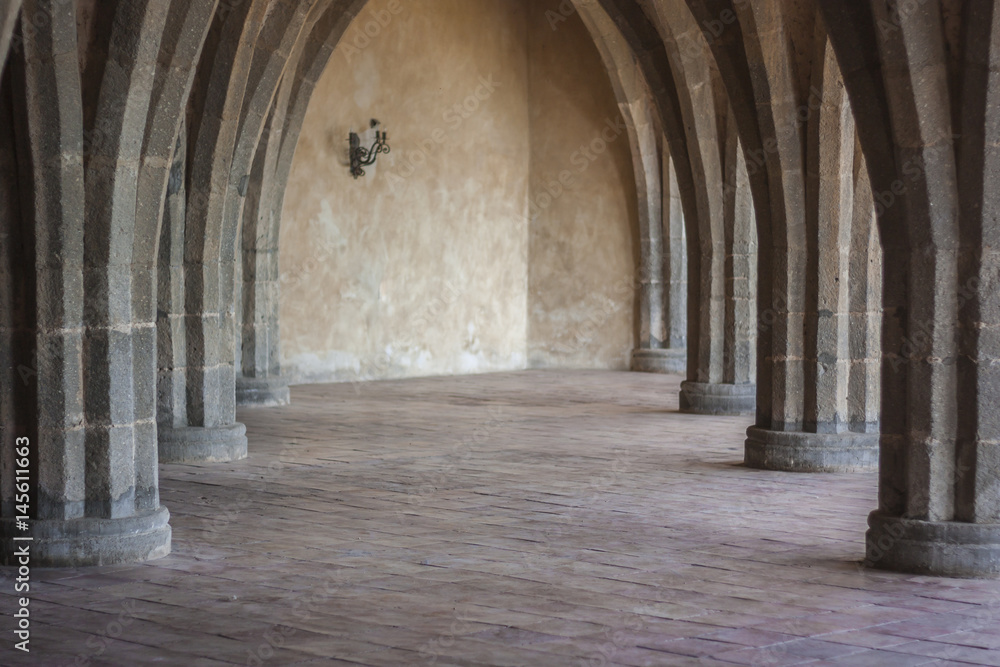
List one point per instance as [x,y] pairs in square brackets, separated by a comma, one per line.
[431,263]
[583,244]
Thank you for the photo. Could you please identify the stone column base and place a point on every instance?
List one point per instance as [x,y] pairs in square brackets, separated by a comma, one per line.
[262,392]
[937,548]
[795,451]
[88,541]
[718,399]
[218,444]
[673,360]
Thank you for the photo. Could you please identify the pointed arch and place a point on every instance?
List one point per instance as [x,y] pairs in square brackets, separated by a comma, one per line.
[261,381]
[216,102]
[661,312]
[715,384]
[97,495]
[259,331]
[925,140]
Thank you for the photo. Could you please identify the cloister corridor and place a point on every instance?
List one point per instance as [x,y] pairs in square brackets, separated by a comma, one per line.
[514,333]
[528,518]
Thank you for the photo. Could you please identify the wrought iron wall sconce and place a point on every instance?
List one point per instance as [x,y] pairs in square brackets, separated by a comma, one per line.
[362,157]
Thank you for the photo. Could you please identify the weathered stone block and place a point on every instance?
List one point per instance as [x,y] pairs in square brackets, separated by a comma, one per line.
[796,451]
[659,360]
[203,445]
[108,295]
[92,541]
[718,399]
[110,475]
[944,549]
[108,364]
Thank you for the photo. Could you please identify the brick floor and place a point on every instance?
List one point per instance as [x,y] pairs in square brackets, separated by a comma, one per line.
[536,518]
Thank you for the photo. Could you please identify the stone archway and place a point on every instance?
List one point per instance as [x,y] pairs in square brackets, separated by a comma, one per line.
[94,416]
[94,105]
[661,327]
[925,138]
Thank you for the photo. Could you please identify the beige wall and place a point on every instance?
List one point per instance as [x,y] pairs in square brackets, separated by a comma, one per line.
[583,245]
[422,266]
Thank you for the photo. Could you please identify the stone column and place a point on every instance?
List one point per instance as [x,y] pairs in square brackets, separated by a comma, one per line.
[865,327]
[249,258]
[929,135]
[740,347]
[817,435]
[666,299]
[195,420]
[640,67]
[260,382]
[80,339]
[676,273]
[698,98]
[208,430]
[725,381]
[939,486]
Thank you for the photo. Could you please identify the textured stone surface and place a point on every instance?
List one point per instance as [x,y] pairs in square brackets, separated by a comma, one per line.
[717,209]
[795,451]
[940,548]
[262,392]
[84,393]
[88,542]
[217,444]
[659,361]
[937,222]
[203,358]
[718,399]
